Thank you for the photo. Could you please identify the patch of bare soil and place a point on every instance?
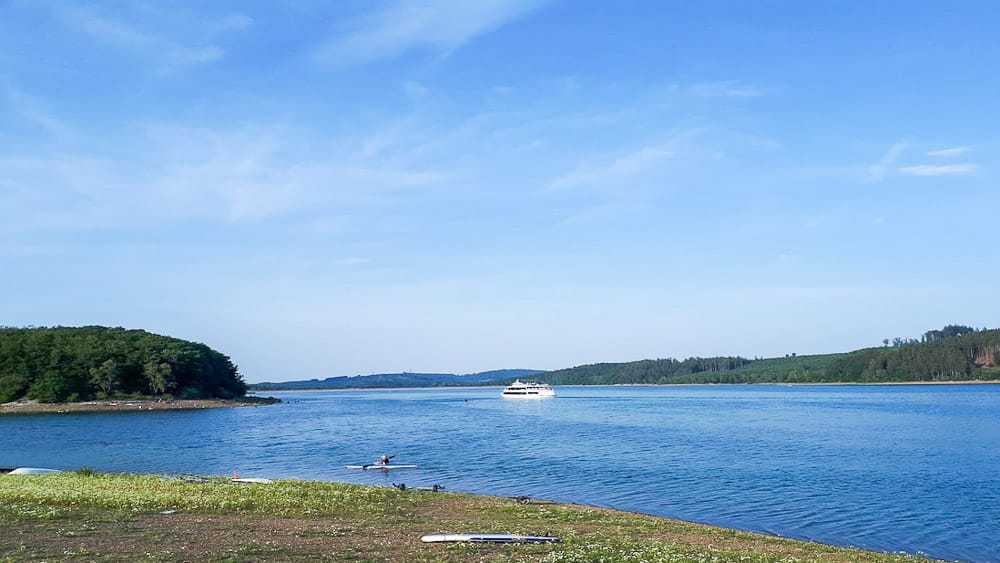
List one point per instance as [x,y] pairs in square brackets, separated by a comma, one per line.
[180,537]
[88,535]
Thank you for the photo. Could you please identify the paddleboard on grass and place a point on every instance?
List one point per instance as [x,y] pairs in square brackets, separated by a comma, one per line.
[378,466]
[33,471]
[488,538]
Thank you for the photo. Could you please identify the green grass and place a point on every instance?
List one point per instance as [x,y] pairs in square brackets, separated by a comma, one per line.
[129,494]
[88,516]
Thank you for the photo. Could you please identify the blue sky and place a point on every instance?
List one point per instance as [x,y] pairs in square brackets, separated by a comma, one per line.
[320,189]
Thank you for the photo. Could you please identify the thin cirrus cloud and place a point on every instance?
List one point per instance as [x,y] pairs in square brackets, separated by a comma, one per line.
[725,89]
[144,34]
[613,172]
[939,170]
[33,110]
[103,28]
[181,173]
[876,172]
[352,261]
[439,26]
[950,152]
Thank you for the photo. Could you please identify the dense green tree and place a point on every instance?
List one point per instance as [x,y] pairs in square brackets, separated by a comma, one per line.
[106,377]
[159,377]
[950,331]
[13,386]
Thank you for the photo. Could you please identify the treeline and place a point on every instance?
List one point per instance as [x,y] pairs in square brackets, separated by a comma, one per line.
[405,379]
[63,364]
[974,354]
[662,371]
[950,331]
[955,353]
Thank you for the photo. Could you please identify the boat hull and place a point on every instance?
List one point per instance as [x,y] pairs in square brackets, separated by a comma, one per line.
[527,390]
[527,395]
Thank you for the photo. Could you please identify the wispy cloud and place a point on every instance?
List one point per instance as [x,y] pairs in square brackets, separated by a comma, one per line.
[439,26]
[233,22]
[876,172]
[61,192]
[144,33]
[178,174]
[116,31]
[950,152]
[414,89]
[615,171]
[354,261]
[530,146]
[600,213]
[725,89]
[255,173]
[939,170]
[32,110]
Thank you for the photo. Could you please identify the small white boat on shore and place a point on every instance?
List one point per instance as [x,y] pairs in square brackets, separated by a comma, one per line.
[488,538]
[527,390]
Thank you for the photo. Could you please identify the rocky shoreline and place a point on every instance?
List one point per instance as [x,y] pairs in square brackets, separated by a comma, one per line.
[120,405]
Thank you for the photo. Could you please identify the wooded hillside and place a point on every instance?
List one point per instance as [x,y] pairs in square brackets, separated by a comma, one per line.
[406,379]
[955,353]
[64,364]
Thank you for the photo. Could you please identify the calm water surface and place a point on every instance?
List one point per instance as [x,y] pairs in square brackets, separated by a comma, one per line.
[894,468]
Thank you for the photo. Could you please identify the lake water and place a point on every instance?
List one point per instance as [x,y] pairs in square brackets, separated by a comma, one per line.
[912,468]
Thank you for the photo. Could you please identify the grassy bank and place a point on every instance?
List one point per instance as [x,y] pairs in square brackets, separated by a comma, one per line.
[118,517]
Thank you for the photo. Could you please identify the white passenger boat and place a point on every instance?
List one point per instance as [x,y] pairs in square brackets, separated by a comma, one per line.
[528,390]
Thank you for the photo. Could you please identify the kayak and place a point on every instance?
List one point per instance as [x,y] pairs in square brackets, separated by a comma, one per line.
[379,466]
[490,538]
[260,480]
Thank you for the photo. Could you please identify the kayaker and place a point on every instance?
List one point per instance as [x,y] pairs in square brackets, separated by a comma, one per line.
[384,460]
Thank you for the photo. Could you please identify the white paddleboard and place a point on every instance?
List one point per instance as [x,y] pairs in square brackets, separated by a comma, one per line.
[260,480]
[377,466]
[490,538]
[33,471]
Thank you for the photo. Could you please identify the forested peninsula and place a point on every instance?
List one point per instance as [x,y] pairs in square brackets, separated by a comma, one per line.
[63,364]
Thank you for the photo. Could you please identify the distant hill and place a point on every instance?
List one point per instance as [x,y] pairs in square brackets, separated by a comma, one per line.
[405,379]
[69,364]
[954,353]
